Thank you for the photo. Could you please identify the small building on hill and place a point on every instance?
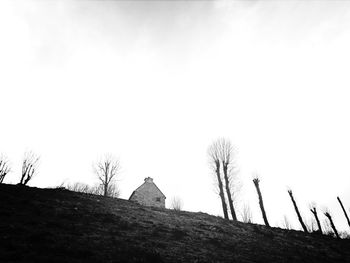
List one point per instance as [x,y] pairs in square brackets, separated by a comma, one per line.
[148,194]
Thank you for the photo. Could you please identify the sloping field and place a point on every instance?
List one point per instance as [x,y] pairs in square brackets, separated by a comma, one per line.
[55,225]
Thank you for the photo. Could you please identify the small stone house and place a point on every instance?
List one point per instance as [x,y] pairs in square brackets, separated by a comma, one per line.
[148,194]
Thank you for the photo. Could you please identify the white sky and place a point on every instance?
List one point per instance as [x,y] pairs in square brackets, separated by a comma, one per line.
[156,82]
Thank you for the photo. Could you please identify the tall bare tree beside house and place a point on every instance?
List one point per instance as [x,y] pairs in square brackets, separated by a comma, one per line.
[256,182]
[29,167]
[226,157]
[4,168]
[106,171]
[214,162]
[297,211]
[342,207]
[314,212]
[328,215]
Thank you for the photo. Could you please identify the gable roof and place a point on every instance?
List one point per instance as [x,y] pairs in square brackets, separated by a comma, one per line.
[137,189]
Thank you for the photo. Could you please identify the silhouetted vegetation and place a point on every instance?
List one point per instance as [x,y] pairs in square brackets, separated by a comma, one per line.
[256,182]
[176,203]
[327,214]
[4,168]
[214,161]
[107,171]
[246,214]
[297,211]
[221,157]
[29,167]
[342,207]
[314,212]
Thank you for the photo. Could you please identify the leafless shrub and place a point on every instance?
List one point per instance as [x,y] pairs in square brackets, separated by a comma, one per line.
[344,235]
[311,225]
[285,223]
[176,203]
[246,214]
[88,189]
[29,167]
[4,168]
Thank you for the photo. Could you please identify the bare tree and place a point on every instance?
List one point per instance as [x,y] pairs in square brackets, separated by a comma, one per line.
[214,161]
[246,214]
[176,203]
[327,214]
[4,168]
[225,149]
[256,182]
[342,207]
[285,223]
[297,211]
[107,171]
[314,212]
[29,167]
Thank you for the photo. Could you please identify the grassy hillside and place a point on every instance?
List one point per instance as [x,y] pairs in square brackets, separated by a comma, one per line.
[53,225]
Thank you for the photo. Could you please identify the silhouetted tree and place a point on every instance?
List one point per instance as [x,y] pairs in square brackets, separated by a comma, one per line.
[225,149]
[256,182]
[107,171]
[297,211]
[29,167]
[314,212]
[342,207]
[176,203]
[4,168]
[327,214]
[214,161]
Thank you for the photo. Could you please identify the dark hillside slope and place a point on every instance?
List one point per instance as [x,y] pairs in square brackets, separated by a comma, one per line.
[53,225]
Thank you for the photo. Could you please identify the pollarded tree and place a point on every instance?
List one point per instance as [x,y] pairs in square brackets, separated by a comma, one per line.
[314,212]
[297,211]
[4,168]
[328,215]
[342,207]
[106,171]
[215,163]
[226,152]
[29,167]
[256,182]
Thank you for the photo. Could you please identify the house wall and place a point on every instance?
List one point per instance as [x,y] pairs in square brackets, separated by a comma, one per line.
[147,195]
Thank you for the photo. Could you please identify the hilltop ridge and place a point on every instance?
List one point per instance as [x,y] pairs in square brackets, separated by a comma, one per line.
[57,225]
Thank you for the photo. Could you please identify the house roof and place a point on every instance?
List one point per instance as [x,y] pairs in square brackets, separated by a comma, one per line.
[143,185]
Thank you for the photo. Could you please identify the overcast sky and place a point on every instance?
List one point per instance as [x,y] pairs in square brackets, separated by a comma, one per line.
[155,82]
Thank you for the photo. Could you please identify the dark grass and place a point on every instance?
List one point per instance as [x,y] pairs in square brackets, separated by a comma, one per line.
[56,225]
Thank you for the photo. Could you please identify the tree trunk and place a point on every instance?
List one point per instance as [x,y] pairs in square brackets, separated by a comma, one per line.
[297,211]
[228,191]
[332,224]
[256,183]
[314,211]
[346,215]
[221,189]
